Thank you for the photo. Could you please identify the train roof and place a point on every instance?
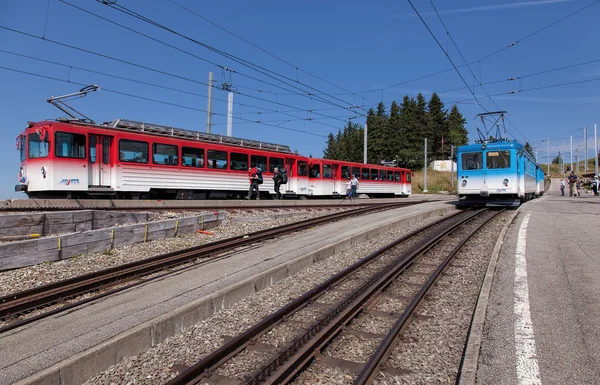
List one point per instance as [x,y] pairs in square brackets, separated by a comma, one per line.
[499,145]
[157,129]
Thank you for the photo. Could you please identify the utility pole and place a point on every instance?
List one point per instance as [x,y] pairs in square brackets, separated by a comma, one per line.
[571,153]
[229,113]
[209,108]
[452,164]
[585,166]
[365,146]
[562,152]
[548,158]
[425,172]
[577,158]
[596,148]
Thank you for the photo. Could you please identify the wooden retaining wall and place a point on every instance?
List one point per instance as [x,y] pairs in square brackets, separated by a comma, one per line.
[65,222]
[26,253]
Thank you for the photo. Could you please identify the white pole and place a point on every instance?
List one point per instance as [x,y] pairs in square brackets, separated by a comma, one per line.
[230,113]
[548,158]
[365,146]
[596,149]
[425,172]
[209,109]
[585,167]
[562,155]
[571,153]
[577,158]
[452,163]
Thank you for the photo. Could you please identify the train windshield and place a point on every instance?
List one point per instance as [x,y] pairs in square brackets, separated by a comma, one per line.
[472,161]
[37,147]
[498,159]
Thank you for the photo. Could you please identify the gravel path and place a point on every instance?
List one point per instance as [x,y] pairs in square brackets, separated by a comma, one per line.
[237,223]
[154,366]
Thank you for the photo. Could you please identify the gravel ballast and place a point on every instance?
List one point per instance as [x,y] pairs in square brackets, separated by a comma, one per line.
[237,223]
[154,366]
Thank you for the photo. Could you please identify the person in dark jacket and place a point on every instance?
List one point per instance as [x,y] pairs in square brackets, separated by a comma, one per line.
[253,178]
[278,180]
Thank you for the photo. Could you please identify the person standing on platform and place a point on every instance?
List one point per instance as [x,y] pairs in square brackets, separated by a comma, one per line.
[562,187]
[349,188]
[595,186]
[253,178]
[572,180]
[277,179]
[353,186]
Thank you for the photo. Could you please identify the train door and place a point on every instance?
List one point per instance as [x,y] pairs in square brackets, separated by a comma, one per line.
[100,170]
[335,179]
[289,168]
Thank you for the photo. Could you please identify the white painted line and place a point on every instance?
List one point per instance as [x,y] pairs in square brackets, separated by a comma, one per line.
[528,371]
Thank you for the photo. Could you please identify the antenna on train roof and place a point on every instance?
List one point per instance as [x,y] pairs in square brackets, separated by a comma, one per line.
[491,120]
[60,103]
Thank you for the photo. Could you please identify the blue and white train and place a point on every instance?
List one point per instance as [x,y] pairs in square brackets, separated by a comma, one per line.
[497,173]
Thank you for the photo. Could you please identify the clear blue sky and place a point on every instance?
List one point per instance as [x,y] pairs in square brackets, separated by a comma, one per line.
[357,45]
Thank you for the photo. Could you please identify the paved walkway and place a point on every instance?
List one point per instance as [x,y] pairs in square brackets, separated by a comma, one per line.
[543,318]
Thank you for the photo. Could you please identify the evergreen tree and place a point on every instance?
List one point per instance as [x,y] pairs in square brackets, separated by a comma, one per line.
[457,133]
[437,127]
[529,149]
[329,151]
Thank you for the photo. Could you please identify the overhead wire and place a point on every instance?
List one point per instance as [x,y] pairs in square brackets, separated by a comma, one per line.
[158,101]
[487,56]
[260,69]
[113,58]
[264,50]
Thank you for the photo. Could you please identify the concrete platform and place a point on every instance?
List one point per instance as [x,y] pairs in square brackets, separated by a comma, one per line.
[70,348]
[543,316]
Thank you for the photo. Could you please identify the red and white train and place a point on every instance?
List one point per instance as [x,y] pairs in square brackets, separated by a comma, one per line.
[128,159]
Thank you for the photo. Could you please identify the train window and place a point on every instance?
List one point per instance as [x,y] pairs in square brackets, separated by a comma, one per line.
[345,172]
[69,145]
[238,161]
[397,176]
[302,168]
[497,159]
[21,146]
[165,154]
[105,150]
[315,171]
[92,148]
[408,177]
[37,147]
[374,174]
[258,161]
[275,162]
[327,171]
[217,159]
[133,151]
[472,161]
[381,174]
[365,174]
[192,157]
[390,176]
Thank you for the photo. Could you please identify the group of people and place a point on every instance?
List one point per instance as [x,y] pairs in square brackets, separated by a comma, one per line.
[351,187]
[576,185]
[256,179]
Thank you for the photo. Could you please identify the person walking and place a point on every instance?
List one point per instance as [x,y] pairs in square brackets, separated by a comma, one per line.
[572,180]
[349,188]
[253,178]
[353,186]
[595,187]
[562,187]
[277,180]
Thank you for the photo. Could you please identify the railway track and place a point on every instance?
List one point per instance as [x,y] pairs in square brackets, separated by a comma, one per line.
[235,205]
[356,292]
[30,305]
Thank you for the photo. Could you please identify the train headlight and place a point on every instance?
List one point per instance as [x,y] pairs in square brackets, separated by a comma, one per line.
[464,183]
[505,181]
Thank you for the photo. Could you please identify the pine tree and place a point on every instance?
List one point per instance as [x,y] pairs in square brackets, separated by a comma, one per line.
[529,149]
[437,127]
[329,151]
[457,133]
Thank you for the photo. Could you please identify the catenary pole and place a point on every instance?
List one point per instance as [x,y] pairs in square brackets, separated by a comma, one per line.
[230,114]
[425,171]
[548,158]
[209,107]
[571,153]
[452,164]
[365,146]
[585,165]
[596,149]
[562,155]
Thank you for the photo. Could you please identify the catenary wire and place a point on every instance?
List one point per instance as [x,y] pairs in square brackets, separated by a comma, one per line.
[158,101]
